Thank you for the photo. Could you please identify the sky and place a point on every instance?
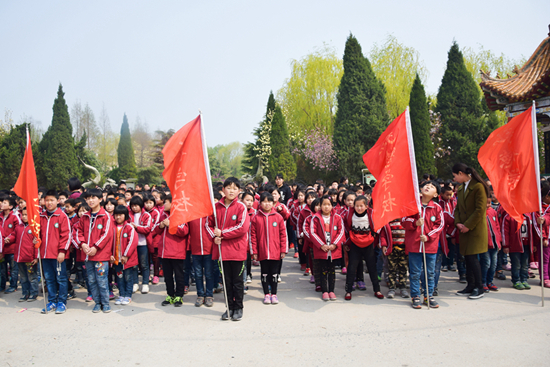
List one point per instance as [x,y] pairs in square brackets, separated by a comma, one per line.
[163,61]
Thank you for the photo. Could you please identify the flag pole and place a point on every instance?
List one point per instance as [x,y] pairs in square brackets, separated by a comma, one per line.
[42,280]
[537,171]
[207,165]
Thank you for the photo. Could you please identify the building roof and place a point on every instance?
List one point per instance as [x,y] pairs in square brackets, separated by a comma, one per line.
[532,81]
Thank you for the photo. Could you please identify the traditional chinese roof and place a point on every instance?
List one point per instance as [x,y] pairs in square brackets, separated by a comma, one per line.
[532,81]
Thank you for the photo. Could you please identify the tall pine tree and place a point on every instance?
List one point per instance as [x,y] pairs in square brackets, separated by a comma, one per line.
[125,152]
[281,160]
[257,154]
[420,125]
[57,159]
[362,114]
[12,150]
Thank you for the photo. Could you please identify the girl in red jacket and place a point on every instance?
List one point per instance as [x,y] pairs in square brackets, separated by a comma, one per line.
[149,204]
[308,249]
[488,259]
[269,245]
[26,257]
[285,213]
[519,245]
[142,222]
[304,213]
[124,255]
[327,237]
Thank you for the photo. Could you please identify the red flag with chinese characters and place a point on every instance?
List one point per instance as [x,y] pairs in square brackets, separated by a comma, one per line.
[26,188]
[187,174]
[391,160]
[509,157]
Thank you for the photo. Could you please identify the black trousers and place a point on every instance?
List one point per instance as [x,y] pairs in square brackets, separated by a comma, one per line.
[473,272]
[234,285]
[327,274]
[249,265]
[173,268]
[356,255]
[301,255]
[269,269]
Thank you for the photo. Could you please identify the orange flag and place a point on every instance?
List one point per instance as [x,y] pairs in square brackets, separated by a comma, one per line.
[26,187]
[510,160]
[187,174]
[392,162]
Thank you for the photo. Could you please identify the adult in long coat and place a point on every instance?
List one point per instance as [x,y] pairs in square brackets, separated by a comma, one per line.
[470,220]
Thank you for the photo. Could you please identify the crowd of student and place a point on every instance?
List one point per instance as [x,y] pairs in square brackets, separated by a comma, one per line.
[107,238]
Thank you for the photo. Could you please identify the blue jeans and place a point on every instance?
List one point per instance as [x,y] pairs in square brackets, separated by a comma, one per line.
[416,275]
[292,237]
[488,261]
[520,265]
[502,260]
[29,279]
[98,278]
[188,270]
[8,259]
[460,261]
[83,267]
[55,275]
[143,263]
[216,274]
[440,256]
[203,266]
[450,258]
[125,280]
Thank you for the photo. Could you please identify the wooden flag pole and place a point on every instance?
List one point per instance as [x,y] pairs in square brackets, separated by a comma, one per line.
[537,170]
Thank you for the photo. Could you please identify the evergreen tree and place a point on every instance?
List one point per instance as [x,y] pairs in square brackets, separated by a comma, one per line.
[420,125]
[362,114]
[280,145]
[126,159]
[12,150]
[57,158]
[257,154]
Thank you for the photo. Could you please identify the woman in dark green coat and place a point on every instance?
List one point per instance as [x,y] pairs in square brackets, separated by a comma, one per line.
[470,220]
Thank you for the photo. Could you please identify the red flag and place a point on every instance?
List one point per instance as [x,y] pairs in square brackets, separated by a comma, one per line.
[510,160]
[187,174]
[26,187]
[391,160]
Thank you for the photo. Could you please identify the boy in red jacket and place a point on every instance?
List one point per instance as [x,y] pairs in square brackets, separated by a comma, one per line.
[269,245]
[55,233]
[519,245]
[142,221]
[201,250]
[8,221]
[26,257]
[149,203]
[124,256]
[432,219]
[94,235]
[488,259]
[230,234]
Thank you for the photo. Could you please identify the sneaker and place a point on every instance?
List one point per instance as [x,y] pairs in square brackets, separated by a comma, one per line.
[361,285]
[379,295]
[476,294]
[51,306]
[291,245]
[161,273]
[347,297]
[225,315]
[167,301]
[274,300]
[532,275]
[444,268]
[526,285]
[435,292]
[534,265]
[96,308]
[111,296]
[199,302]
[155,280]
[248,279]
[23,299]
[344,270]
[433,303]
[60,308]
[106,309]
[465,292]
[416,303]
[193,283]
[245,290]
[519,286]
[118,301]
[500,275]
[255,263]
[462,279]
[303,267]
[492,287]
[237,315]
[89,299]
[318,288]
[71,294]
[135,288]
[126,301]
[218,289]
[547,283]
[279,280]
[267,299]
[452,268]
[10,290]
[325,296]
[295,255]
[332,296]
[391,293]
[312,279]
[178,301]
[145,289]
[485,288]
[209,301]
[307,271]
[404,293]
[186,289]
[507,267]
[32,298]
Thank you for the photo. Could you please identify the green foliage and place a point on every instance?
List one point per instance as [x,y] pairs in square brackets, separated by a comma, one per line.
[126,159]
[257,154]
[12,150]
[420,126]
[362,114]
[286,165]
[57,160]
[151,175]
[280,145]
[225,160]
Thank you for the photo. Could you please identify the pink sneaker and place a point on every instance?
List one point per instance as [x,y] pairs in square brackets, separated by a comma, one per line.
[507,267]
[155,280]
[274,300]
[547,283]
[332,296]
[89,299]
[312,279]
[267,299]
[344,270]
[325,296]
[534,265]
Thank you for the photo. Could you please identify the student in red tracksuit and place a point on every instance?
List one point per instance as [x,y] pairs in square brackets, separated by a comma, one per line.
[124,255]
[230,233]
[488,260]
[8,221]
[304,213]
[200,243]
[248,199]
[519,245]
[26,257]
[285,213]
[327,237]
[315,207]
[415,239]
[55,233]
[447,201]
[269,245]
[149,204]
[349,199]
[94,235]
[142,222]
[172,251]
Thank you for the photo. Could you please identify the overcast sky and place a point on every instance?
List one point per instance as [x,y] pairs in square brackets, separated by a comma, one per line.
[165,60]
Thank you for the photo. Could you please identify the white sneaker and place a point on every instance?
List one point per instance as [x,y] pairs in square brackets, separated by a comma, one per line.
[145,289]
[279,280]
[119,300]
[248,279]
[136,288]
[126,301]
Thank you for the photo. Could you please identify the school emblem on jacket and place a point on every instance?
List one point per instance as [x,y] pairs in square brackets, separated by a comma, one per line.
[11,225]
[432,218]
[125,235]
[234,217]
[29,231]
[56,225]
[494,219]
[335,228]
[274,224]
[99,226]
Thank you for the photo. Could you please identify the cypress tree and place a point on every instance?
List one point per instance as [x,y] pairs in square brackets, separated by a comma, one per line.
[125,152]
[280,159]
[420,126]
[362,114]
[12,150]
[57,158]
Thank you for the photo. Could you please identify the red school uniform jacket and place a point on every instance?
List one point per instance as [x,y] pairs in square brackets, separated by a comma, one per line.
[145,224]
[382,238]
[151,240]
[304,213]
[433,229]
[8,224]
[98,234]
[306,230]
[24,246]
[514,239]
[285,213]
[545,227]
[199,238]
[268,235]
[493,229]
[234,222]
[172,246]
[55,233]
[318,236]
[127,242]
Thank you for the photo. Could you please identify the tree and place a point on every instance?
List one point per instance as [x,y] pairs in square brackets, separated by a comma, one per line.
[12,150]
[142,140]
[226,160]
[57,158]
[89,127]
[159,142]
[317,150]
[256,154]
[279,142]
[396,65]
[107,143]
[362,114]
[420,126]
[126,160]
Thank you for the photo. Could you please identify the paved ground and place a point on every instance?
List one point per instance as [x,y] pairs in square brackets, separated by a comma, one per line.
[506,328]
